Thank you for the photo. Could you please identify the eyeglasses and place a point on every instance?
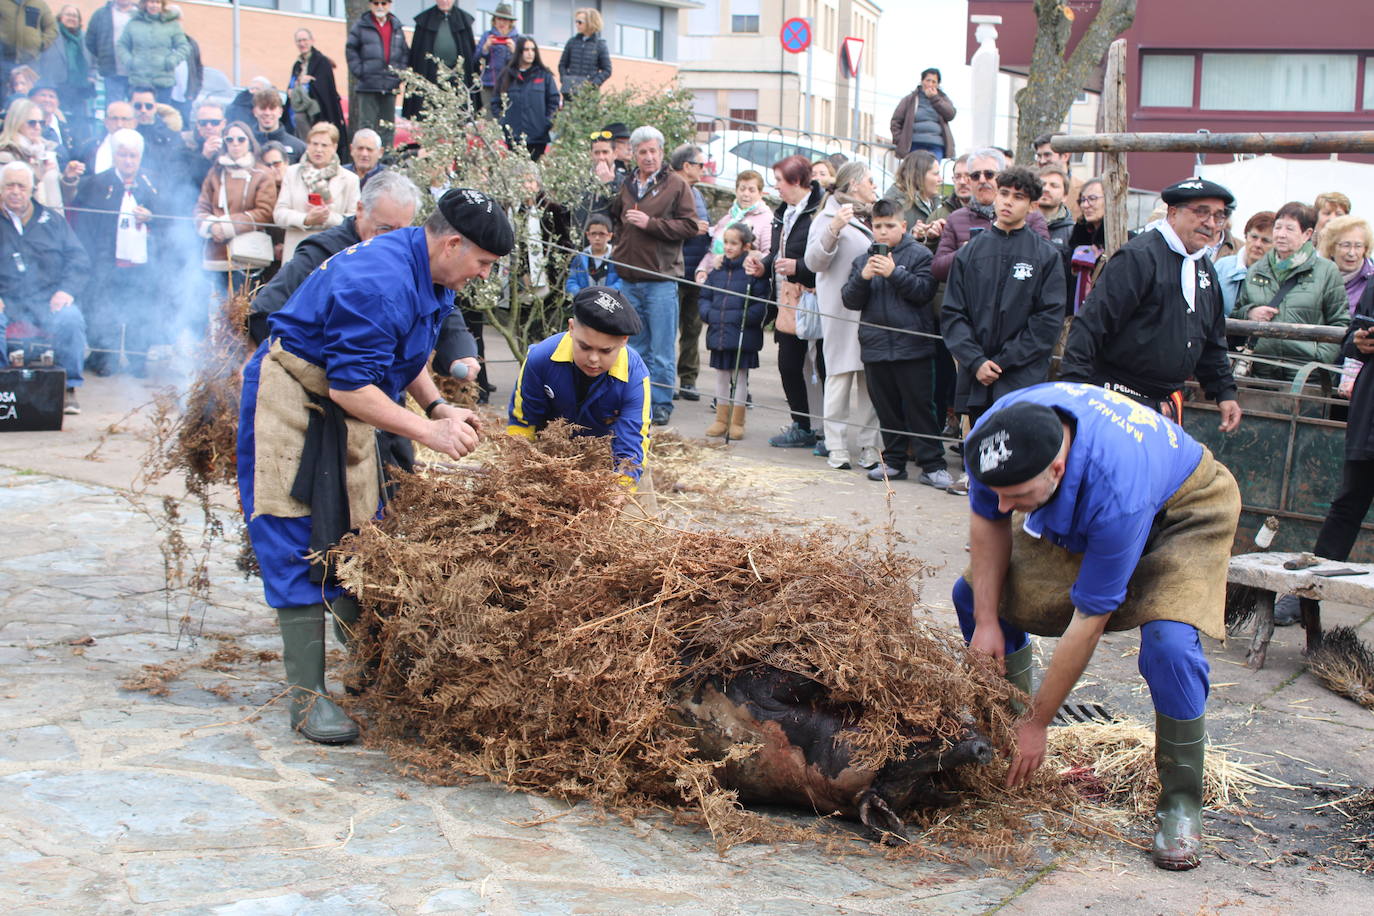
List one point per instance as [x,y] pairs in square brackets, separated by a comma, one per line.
[1205,214]
[1340,246]
[381,2]
[144,106]
[34,123]
[602,135]
[1090,198]
[235,139]
[985,174]
[695,163]
[210,122]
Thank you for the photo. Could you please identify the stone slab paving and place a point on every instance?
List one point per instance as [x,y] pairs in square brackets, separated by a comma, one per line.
[121,802]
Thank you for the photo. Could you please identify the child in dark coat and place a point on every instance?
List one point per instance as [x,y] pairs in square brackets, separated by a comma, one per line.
[733,306]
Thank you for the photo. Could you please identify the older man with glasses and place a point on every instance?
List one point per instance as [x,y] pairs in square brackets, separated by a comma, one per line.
[1155,318]
[978,214]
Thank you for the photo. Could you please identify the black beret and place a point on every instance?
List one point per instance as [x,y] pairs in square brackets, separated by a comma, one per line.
[1012,445]
[604,309]
[617,130]
[1196,189]
[479,219]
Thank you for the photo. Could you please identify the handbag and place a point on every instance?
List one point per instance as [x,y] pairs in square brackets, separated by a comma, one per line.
[249,250]
[809,317]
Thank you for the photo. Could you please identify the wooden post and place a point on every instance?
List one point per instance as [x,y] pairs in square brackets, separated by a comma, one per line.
[1353,141]
[1116,180]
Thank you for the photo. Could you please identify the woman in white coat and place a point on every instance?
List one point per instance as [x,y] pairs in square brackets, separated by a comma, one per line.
[837,237]
[316,193]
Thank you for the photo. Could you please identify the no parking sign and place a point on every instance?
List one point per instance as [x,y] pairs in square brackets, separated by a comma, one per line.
[795,35]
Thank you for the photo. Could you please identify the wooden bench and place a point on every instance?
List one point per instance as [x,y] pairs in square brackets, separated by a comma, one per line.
[1264,572]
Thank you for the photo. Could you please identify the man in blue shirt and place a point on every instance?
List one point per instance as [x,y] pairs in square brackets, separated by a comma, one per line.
[1126,522]
[355,335]
[589,376]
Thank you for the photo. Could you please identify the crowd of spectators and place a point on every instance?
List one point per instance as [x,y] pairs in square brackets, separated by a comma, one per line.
[886,327]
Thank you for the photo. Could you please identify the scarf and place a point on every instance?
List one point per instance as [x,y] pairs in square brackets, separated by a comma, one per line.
[1350,276]
[1188,273]
[737,214]
[861,208]
[317,180]
[1282,268]
[131,237]
[986,211]
[75,56]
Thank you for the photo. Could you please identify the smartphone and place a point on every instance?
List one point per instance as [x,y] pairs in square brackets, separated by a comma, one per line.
[1362,322]
[315,200]
[879,248]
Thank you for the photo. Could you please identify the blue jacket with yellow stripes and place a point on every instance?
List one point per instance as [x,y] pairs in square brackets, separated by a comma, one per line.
[617,403]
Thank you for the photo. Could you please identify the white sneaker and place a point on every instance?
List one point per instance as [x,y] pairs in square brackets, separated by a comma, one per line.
[939,479]
[869,457]
[839,459]
[960,487]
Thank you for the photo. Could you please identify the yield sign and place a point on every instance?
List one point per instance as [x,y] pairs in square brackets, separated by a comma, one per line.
[853,50]
[795,35]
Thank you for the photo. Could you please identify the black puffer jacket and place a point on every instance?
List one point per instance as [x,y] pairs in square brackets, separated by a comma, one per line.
[900,301]
[796,239]
[373,70]
[584,60]
[734,320]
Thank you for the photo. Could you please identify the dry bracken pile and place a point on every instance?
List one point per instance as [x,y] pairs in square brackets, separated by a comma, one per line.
[524,628]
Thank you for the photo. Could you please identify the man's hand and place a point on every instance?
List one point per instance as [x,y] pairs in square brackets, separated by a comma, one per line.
[703,227]
[989,372]
[1363,342]
[603,172]
[211,148]
[142,215]
[453,412]
[1263,313]
[470,363]
[450,435]
[989,640]
[1030,753]
[753,264]
[637,218]
[59,301]
[74,170]
[306,79]
[1230,416]
[883,265]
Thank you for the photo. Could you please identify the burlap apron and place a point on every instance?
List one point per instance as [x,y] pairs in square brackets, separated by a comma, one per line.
[281,415]
[1181,576]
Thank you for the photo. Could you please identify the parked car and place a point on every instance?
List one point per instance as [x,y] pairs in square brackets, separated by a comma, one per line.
[733,151]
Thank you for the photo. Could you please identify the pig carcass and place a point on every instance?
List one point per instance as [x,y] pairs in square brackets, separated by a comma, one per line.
[803,758]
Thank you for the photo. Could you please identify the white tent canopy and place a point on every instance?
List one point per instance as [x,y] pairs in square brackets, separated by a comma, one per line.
[1269,182]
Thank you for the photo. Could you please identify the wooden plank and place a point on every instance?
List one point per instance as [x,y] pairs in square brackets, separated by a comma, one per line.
[1116,181]
[1321,333]
[1265,571]
[1352,141]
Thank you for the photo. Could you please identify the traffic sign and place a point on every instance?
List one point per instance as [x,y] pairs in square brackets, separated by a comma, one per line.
[795,35]
[853,50]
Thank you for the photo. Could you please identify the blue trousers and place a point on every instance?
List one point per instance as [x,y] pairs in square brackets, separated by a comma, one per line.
[281,544]
[656,303]
[67,330]
[1171,658]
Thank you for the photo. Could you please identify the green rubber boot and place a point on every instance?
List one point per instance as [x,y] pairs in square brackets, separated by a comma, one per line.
[313,714]
[1020,665]
[1179,748]
[345,611]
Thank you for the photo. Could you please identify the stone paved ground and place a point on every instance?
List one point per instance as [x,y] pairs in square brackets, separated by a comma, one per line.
[119,802]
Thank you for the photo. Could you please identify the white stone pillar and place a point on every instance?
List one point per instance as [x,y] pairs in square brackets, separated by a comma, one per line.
[986,64]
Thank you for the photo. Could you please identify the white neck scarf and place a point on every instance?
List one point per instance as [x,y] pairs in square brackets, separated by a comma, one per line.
[1188,275]
[131,236]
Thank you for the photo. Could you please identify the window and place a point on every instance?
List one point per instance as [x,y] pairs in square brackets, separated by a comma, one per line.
[637,41]
[743,106]
[1369,83]
[704,105]
[1166,80]
[744,16]
[744,23]
[1278,82]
